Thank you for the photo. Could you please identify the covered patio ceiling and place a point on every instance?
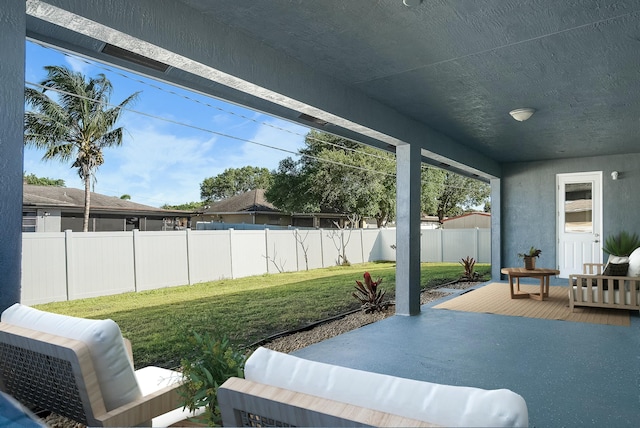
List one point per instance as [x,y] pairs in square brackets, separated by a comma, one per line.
[442,73]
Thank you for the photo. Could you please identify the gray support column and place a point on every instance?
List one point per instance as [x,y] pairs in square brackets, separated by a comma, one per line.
[408,230]
[496,229]
[12,46]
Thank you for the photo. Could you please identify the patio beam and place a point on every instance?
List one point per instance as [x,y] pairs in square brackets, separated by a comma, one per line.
[239,64]
[496,228]
[12,33]
[408,229]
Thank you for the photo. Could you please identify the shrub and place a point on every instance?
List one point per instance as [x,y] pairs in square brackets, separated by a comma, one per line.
[369,296]
[215,362]
[469,264]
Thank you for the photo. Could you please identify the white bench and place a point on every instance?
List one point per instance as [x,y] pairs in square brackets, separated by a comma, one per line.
[284,390]
[593,289]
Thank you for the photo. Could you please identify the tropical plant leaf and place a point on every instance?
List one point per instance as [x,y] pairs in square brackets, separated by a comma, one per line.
[369,296]
[621,244]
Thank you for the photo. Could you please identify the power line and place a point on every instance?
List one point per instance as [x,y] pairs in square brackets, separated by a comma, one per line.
[224,135]
[186,97]
[195,100]
[199,128]
[221,134]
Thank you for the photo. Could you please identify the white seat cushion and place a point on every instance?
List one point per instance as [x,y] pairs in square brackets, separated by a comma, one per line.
[104,340]
[634,263]
[152,379]
[440,404]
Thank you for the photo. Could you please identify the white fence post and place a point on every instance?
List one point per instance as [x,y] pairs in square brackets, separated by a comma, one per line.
[68,259]
[476,247]
[295,238]
[266,248]
[189,253]
[136,259]
[231,251]
[322,247]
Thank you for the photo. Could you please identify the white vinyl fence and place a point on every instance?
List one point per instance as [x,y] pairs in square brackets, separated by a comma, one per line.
[67,266]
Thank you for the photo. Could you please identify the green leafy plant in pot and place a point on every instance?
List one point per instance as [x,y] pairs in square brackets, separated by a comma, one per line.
[621,244]
[619,247]
[530,258]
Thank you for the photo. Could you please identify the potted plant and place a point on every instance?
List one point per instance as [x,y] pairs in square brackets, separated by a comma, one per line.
[619,247]
[530,258]
[622,244]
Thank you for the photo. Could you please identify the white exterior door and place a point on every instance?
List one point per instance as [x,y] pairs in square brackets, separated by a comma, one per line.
[579,214]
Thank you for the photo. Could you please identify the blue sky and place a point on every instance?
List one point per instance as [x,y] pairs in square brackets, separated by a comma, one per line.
[161,162]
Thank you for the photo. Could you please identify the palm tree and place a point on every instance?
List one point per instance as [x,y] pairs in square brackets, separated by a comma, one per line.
[76,127]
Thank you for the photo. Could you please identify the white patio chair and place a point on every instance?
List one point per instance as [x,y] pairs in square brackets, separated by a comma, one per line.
[81,369]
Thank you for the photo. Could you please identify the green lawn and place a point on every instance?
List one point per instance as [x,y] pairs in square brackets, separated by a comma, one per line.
[247,310]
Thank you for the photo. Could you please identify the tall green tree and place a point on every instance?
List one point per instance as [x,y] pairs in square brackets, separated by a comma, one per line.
[42,181]
[234,181]
[336,175]
[75,126]
[460,193]
[432,185]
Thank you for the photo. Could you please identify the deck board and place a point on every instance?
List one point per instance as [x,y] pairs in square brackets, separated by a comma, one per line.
[494,299]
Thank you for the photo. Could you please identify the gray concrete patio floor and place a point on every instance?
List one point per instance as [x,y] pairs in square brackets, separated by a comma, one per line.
[570,374]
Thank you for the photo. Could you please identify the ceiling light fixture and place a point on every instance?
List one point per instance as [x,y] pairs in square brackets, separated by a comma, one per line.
[411,3]
[522,114]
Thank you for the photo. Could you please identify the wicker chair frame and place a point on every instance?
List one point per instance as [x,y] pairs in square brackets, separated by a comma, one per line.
[53,373]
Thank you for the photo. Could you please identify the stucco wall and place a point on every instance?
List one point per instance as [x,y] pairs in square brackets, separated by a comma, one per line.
[12,46]
[529,202]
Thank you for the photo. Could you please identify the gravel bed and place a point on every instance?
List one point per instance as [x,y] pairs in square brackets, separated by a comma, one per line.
[460,285]
[350,322]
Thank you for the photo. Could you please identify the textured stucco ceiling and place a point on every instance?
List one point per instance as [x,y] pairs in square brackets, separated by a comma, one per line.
[455,66]
[460,66]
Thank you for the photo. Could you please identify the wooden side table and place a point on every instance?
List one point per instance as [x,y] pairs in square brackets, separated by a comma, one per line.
[517,273]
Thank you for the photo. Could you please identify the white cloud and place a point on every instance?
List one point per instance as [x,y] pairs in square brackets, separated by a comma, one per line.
[157,167]
[77,64]
[256,155]
[161,162]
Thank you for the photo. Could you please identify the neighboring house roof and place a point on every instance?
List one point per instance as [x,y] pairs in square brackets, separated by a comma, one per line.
[467,215]
[67,198]
[254,201]
[251,201]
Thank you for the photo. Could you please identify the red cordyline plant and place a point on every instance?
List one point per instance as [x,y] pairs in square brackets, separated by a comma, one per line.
[369,295]
[469,266]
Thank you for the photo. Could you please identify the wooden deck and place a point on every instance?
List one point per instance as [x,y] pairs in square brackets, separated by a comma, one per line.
[494,298]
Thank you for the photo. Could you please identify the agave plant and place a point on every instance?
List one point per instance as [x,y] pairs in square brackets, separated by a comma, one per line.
[621,244]
[369,296]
